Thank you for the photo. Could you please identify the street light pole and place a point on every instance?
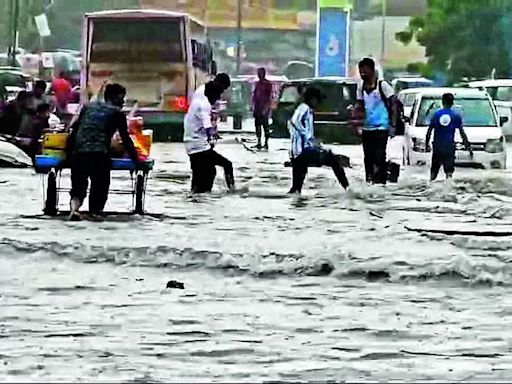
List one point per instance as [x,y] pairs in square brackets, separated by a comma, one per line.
[14,13]
[383,37]
[239,38]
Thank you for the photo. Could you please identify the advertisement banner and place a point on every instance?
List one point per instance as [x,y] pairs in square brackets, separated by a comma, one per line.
[332,42]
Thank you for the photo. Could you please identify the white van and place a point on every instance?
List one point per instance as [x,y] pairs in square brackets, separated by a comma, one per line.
[481,124]
[408,97]
[500,91]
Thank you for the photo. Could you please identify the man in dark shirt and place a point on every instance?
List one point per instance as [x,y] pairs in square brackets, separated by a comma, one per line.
[29,134]
[40,96]
[90,146]
[261,100]
[17,114]
[444,124]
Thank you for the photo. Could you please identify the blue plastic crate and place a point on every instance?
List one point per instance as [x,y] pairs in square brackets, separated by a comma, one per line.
[46,163]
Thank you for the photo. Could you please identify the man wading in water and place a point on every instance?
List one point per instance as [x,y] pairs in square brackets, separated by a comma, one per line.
[89,150]
[199,142]
[305,152]
[444,123]
[373,96]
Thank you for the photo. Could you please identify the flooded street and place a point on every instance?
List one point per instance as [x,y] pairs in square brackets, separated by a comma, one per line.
[327,286]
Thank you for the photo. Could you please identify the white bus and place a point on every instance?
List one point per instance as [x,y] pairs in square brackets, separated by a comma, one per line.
[161,57]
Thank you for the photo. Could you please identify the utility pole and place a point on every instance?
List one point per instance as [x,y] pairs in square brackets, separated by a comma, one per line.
[383,41]
[14,13]
[239,38]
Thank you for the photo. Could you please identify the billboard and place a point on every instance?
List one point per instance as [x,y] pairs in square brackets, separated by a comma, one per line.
[332,48]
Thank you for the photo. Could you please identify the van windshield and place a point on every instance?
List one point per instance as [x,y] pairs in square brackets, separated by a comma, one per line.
[475,112]
[337,95]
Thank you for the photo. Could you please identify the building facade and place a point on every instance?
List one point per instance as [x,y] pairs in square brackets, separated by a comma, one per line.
[278,31]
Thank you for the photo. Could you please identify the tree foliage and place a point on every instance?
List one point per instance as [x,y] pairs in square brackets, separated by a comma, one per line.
[64,18]
[465,38]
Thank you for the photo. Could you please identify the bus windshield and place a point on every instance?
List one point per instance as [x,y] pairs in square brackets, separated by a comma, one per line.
[126,41]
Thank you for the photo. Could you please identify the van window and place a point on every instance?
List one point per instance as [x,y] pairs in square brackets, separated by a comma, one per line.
[474,112]
[336,94]
[407,99]
[503,94]
[289,94]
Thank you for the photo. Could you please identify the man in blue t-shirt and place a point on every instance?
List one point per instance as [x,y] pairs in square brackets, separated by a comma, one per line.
[444,123]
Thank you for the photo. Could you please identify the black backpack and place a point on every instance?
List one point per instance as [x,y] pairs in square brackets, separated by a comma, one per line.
[398,125]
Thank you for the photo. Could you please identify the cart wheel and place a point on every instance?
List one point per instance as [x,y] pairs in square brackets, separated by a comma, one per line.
[50,205]
[139,194]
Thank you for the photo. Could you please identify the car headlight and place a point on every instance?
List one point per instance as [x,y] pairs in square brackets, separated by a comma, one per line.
[419,145]
[494,145]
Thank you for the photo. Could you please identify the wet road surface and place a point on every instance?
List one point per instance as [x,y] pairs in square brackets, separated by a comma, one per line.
[327,286]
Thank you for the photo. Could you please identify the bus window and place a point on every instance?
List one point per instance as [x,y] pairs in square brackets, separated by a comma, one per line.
[127,42]
[201,56]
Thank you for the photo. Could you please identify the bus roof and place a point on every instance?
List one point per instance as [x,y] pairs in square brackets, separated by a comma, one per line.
[141,13]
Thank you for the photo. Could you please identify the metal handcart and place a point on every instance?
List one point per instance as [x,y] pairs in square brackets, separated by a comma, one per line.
[51,169]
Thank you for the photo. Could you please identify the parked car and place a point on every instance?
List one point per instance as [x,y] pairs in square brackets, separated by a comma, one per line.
[14,80]
[481,124]
[407,97]
[237,101]
[501,93]
[331,118]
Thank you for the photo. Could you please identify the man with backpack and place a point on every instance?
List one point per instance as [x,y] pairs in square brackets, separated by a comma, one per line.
[383,117]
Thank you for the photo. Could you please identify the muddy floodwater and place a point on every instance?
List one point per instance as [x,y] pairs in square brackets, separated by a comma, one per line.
[327,286]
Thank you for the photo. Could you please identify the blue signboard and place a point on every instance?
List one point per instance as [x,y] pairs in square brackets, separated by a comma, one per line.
[332,42]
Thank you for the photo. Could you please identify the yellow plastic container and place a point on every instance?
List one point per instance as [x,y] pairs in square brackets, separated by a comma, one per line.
[59,154]
[147,140]
[55,140]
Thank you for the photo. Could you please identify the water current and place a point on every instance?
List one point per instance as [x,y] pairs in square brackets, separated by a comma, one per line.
[322,287]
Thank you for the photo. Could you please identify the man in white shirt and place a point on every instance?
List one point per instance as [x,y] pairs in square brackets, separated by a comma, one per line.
[199,141]
[224,81]
[375,96]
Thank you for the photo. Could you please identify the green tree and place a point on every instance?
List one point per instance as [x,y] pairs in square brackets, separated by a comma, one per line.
[64,18]
[464,38]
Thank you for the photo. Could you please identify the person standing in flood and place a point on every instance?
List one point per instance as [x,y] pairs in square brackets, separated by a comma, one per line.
[261,103]
[199,141]
[444,123]
[29,134]
[373,97]
[89,150]
[305,152]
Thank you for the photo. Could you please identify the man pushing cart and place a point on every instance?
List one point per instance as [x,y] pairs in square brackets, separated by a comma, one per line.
[88,155]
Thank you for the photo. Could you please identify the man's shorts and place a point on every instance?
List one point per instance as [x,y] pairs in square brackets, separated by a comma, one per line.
[444,158]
